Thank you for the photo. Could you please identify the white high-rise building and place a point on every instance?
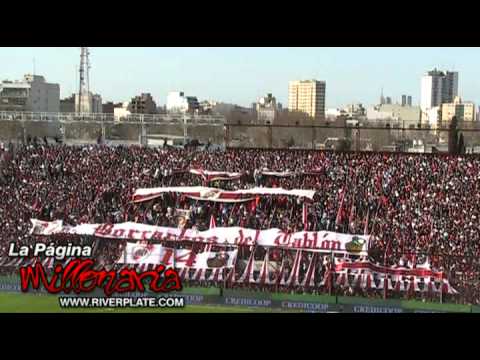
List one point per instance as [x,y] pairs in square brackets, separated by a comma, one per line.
[177,102]
[266,109]
[437,88]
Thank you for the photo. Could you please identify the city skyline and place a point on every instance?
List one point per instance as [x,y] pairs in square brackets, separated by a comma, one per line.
[241,75]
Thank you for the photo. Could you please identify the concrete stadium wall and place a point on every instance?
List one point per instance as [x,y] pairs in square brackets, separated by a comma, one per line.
[13,130]
[202,133]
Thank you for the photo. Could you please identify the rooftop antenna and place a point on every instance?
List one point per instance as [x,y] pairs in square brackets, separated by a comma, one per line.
[83,86]
[88,70]
[76,75]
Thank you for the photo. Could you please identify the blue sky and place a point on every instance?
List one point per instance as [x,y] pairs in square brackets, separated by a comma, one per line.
[240,75]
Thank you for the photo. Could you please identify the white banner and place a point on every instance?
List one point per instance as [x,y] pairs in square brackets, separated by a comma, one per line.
[141,253]
[406,279]
[279,173]
[322,241]
[214,194]
[216,175]
[46,227]
[213,260]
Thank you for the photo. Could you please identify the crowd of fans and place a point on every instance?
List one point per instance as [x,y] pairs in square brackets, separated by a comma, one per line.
[417,207]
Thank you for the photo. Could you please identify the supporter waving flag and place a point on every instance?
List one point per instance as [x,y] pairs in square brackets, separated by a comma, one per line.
[365,230]
[339,217]
[213,223]
[351,218]
[305,216]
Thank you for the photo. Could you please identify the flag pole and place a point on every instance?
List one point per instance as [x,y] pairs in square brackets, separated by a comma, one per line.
[385,284]
[441,288]
[331,276]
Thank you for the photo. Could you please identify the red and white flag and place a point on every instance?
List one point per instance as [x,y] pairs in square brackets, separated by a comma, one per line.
[309,280]
[280,280]
[216,276]
[399,285]
[213,223]
[367,281]
[293,278]
[305,216]
[351,218]
[247,275]
[365,230]
[48,263]
[264,278]
[199,275]
[339,218]
[386,282]
[184,274]
[342,280]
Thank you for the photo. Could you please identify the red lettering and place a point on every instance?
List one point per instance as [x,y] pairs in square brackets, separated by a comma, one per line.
[167,257]
[104,229]
[282,239]
[129,278]
[131,232]
[79,276]
[85,277]
[309,243]
[118,233]
[186,257]
[28,275]
[212,239]
[297,243]
[199,239]
[330,245]
[144,235]
[157,235]
[171,237]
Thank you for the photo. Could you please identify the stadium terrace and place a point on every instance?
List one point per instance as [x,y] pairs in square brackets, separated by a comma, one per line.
[420,212]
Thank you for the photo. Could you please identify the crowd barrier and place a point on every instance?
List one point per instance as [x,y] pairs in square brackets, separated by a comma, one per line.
[289,302]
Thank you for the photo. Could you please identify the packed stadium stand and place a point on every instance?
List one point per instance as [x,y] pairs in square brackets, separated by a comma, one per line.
[417,208]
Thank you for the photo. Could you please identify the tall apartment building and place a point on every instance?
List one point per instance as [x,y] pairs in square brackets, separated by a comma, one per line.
[143,104]
[450,86]
[307,96]
[406,100]
[437,88]
[32,93]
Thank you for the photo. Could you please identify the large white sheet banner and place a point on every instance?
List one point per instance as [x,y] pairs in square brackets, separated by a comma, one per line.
[141,253]
[321,241]
[216,175]
[214,194]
